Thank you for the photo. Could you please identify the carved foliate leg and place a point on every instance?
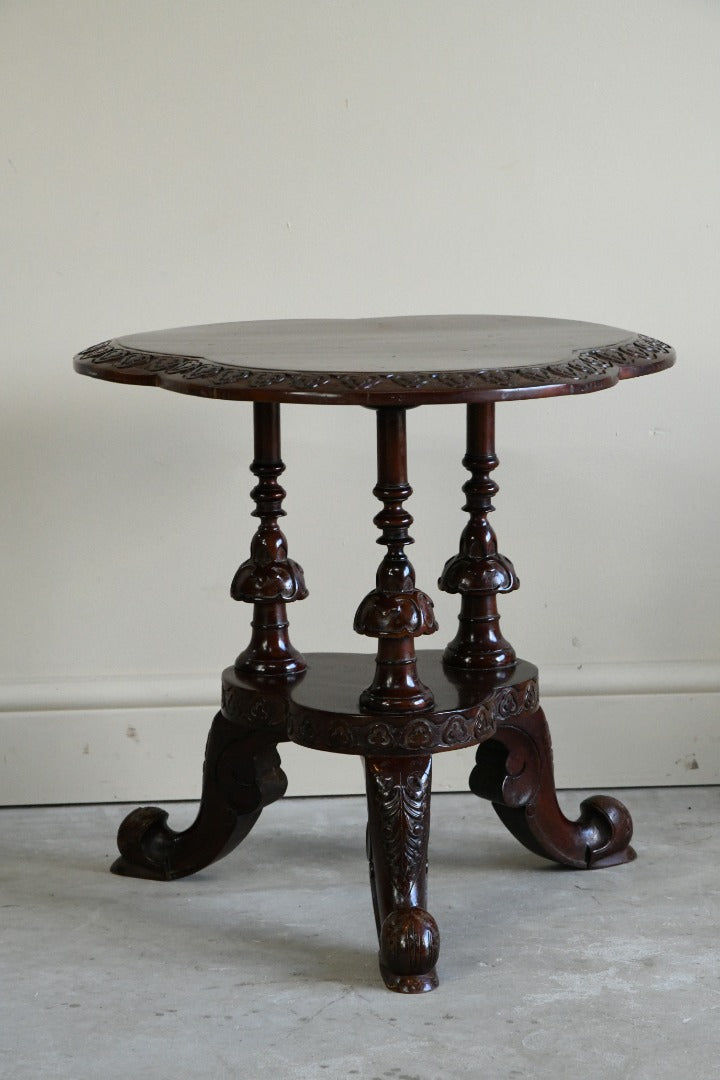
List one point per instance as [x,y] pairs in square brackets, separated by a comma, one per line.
[395,612]
[398,792]
[269,579]
[515,771]
[241,775]
[479,572]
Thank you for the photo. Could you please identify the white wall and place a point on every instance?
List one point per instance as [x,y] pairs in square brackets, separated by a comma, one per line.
[166,162]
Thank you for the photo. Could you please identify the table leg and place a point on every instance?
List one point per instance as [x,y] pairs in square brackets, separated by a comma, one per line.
[395,612]
[241,775]
[269,580]
[515,771]
[479,572]
[398,793]
[242,771]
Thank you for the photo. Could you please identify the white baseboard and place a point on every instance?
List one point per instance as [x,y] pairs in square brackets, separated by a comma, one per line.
[141,740]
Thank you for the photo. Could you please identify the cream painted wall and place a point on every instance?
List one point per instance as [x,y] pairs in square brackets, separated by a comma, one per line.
[165,163]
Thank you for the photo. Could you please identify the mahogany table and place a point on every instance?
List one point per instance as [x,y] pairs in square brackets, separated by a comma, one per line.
[476,692]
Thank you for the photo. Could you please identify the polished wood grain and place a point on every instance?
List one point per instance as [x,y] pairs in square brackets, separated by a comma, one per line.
[241,775]
[268,579]
[396,611]
[324,709]
[479,573]
[514,770]
[410,360]
[397,709]
[398,795]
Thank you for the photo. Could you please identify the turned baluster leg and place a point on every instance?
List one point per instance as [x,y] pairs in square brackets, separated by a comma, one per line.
[479,572]
[395,612]
[515,768]
[269,579]
[398,792]
[242,771]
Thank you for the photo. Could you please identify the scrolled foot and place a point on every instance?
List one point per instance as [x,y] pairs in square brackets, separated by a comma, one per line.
[608,828]
[242,775]
[514,771]
[145,844]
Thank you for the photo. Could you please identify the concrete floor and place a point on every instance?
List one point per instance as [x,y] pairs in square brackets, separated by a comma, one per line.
[265,964]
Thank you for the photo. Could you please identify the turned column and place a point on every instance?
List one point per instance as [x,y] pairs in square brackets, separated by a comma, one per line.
[479,572]
[268,579]
[395,612]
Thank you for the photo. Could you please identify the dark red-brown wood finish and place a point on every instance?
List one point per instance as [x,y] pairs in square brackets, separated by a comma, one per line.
[479,572]
[395,612]
[475,693]
[268,579]
[410,360]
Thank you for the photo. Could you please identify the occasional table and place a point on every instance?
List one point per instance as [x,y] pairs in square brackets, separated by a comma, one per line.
[399,710]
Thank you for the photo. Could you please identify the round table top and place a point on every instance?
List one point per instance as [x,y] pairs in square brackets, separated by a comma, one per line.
[408,360]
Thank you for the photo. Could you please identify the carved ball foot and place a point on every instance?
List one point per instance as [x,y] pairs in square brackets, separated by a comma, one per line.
[409,948]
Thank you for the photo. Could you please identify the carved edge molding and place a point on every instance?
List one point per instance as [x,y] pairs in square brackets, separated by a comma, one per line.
[422,734]
[253,714]
[590,364]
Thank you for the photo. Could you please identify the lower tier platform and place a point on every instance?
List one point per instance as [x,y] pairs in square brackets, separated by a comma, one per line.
[320,707]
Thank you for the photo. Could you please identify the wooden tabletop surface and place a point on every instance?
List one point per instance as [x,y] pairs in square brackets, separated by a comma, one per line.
[407,360]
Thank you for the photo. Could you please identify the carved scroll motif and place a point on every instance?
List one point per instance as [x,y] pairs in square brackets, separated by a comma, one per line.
[514,769]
